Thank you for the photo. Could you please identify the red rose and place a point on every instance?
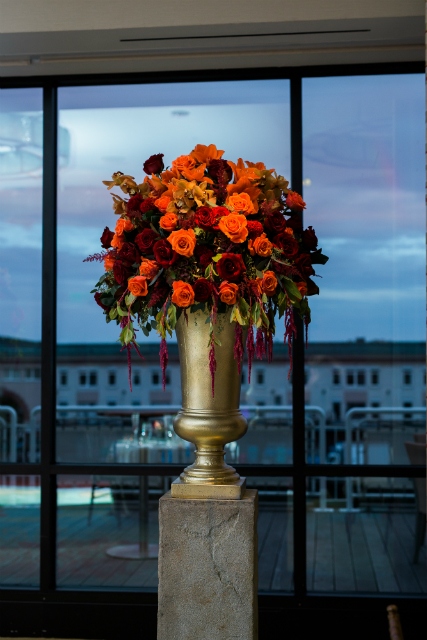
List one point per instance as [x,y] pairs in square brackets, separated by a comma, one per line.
[206,218]
[145,240]
[294,201]
[303,264]
[220,169]
[106,238]
[287,243]
[275,222]
[164,253]
[154,164]
[255,229]
[202,290]
[129,253]
[230,267]
[133,206]
[309,239]
[295,224]
[203,255]
[147,205]
[97,297]
[120,272]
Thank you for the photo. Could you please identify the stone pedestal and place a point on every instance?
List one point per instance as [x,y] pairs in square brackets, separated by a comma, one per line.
[208,569]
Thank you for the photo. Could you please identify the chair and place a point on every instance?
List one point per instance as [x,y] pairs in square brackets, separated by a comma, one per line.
[417,455]
[420,438]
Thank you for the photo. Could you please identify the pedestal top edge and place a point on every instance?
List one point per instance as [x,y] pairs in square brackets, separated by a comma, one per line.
[250,496]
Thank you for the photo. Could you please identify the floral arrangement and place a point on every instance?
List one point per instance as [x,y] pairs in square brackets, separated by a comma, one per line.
[208,234]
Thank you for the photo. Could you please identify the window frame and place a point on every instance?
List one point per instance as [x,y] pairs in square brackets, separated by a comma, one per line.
[48,468]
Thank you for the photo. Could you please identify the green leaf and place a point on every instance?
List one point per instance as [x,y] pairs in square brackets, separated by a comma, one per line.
[243,306]
[148,327]
[145,332]
[172,316]
[153,324]
[217,342]
[113,313]
[208,271]
[312,288]
[292,289]
[129,299]
[121,312]
[259,274]
[265,320]
[264,298]
[217,257]
[94,290]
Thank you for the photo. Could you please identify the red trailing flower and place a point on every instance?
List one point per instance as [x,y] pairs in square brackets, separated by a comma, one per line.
[145,240]
[203,255]
[230,267]
[212,366]
[202,290]
[250,349]
[160,292]
[255,229]
[106,238]
[97,297]
[164,359]
[309,239]
[287,243]
[164,253]
[220,168]
[238,346]
[154,164]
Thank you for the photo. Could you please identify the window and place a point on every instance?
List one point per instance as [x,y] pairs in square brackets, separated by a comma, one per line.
[336,377]
[111,378]
[350,378]
[155,378]
[361,378]
[375,377]
[137,378]
[336,411]
[63,378]
[82,379]
[93,379]
[260,377]
[407,377]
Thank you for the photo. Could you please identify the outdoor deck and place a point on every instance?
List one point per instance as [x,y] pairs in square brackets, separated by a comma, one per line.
[366,552]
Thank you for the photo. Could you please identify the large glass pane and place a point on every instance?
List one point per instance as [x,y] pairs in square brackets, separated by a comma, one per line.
[21,165]
[368,535]
[115,128]
[364,184]
[19,531]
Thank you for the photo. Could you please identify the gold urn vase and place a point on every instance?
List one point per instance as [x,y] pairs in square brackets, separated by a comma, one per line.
[208,422]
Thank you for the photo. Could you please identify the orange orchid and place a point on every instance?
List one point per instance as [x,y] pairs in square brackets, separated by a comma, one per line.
[196,174]
[204,154]
[241,171]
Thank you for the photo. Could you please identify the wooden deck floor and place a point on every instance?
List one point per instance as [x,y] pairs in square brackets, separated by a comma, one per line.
[366,552]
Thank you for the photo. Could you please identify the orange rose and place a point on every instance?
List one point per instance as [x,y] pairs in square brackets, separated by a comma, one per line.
[235,227]
[183,294]
[184,162]
[228,292]
[289,230]
[302,287]
[148,268]
[169,222]
[269,283]
[123,225]
[241,202]
[138,286]
[183,241]
[262,246]
[109,263]
[162,203]
[117,241]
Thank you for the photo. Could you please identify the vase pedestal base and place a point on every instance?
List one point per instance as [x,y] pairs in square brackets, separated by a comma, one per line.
[194,491]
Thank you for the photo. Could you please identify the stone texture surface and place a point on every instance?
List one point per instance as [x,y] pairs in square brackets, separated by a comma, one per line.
[208,571]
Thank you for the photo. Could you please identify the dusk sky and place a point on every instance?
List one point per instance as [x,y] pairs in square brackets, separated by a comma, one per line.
[364,187]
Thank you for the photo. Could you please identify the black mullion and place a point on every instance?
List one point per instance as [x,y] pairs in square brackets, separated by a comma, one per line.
[298,413]
[48,366]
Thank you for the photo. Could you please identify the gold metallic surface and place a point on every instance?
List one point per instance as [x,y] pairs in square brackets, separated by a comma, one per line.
[206,421]
[192,491]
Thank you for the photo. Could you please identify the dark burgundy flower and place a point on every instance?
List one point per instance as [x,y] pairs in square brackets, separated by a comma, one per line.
[202,290]
[206,218]
[220,168]
[145,240]
[203,255]
[275,222]
[97,297]
[295,224]
[287,243]
[147,205]
[309,239]
[255,229]
[129,253]
[303,264]
[106,238]
[164,253]
[230,267]
[133,206]
[121,273]
[154,164]
[159,294]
